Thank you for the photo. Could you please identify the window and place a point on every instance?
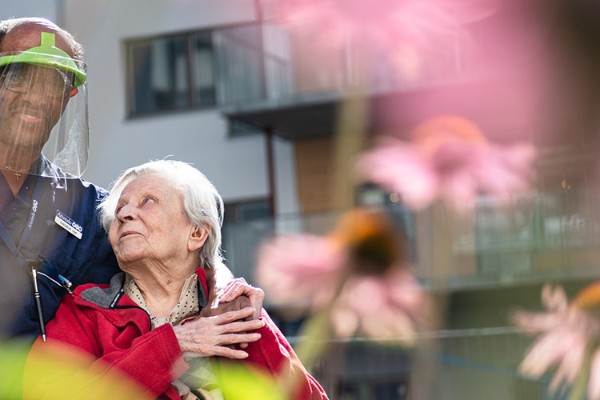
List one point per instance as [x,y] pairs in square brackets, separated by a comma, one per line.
[246,211]
[171,73]
[179,71]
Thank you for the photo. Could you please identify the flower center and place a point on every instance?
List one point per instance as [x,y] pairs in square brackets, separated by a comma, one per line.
[374,244]
[436,132]
[588,297]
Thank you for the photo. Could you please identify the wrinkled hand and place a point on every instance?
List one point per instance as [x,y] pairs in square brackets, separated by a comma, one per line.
[239,287]
[221,308]
[236,295]
[216,335]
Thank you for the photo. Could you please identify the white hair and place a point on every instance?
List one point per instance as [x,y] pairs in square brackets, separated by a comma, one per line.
[202,204]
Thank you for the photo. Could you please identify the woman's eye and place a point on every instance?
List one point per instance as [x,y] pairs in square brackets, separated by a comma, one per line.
[148,199]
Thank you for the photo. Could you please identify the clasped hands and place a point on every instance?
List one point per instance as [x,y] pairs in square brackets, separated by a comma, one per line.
[225,327]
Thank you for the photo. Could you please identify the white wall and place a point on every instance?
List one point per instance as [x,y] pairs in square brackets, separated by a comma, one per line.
[286,193]
[237,166]
[29,8]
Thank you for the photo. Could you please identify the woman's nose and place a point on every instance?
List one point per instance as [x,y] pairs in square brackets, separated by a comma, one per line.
[126,212]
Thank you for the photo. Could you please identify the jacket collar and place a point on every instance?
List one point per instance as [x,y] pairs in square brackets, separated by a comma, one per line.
[108,297]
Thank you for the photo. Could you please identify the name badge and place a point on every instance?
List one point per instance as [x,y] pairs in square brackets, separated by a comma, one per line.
[65,222]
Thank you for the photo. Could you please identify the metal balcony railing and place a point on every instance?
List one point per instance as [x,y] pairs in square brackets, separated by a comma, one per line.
[277,69]
[537,237]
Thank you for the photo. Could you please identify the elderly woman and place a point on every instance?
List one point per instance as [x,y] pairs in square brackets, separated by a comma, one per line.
[163,220]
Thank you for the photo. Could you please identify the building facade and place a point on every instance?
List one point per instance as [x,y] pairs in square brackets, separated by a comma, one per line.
[222,86]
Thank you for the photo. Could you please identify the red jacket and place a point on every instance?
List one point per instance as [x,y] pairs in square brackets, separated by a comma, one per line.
[104,322]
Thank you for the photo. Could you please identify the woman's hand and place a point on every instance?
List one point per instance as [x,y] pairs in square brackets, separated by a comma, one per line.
[236,295]
[239,287]
[216,335]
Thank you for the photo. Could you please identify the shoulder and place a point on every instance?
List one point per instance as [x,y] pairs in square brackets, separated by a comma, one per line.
[86,286]
[82,198]
[88,187]
[61,179]
[72,190]
[103,295]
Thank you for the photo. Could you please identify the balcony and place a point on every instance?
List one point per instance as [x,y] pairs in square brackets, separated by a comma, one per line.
[282,85]
[488,263]
[540,237]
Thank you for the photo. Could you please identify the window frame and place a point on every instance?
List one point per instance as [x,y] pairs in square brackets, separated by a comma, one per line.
[192,102]
[189,36]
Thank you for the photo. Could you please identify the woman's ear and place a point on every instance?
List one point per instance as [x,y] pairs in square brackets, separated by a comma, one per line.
[197,238]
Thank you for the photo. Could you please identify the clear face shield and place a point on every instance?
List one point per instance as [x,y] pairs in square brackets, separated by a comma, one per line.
[43,112]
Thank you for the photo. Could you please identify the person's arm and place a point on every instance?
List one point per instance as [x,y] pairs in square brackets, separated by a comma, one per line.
[275,354]
[237,288]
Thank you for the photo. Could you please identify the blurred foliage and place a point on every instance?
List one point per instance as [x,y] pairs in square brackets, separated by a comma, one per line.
[55,372]
[237,381]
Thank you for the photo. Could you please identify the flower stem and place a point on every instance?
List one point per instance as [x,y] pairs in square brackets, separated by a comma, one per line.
[315,335]
[578,390]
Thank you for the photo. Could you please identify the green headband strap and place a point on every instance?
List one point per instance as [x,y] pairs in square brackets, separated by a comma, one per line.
[47,55]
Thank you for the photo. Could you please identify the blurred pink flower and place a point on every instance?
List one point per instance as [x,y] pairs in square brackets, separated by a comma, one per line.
[447,158]
[386,307]
[357,271]
[301,270]
[399,29]
[566,333]
[351,19]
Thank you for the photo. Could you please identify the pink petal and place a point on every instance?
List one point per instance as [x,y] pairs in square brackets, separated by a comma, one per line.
[506,169]
[370,300]
[399,167]
[554,298]
[386,324]
[460,190]
[404,291]
[298,269]
[594,379]
[573,347]
[546,351]
[344,321]
[537,322]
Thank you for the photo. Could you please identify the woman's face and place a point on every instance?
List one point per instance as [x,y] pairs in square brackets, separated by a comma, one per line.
[150,223]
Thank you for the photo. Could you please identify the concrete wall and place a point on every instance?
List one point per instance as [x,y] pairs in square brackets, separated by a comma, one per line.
[29,8]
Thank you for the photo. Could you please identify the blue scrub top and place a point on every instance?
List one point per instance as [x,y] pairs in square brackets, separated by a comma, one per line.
[29,220]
